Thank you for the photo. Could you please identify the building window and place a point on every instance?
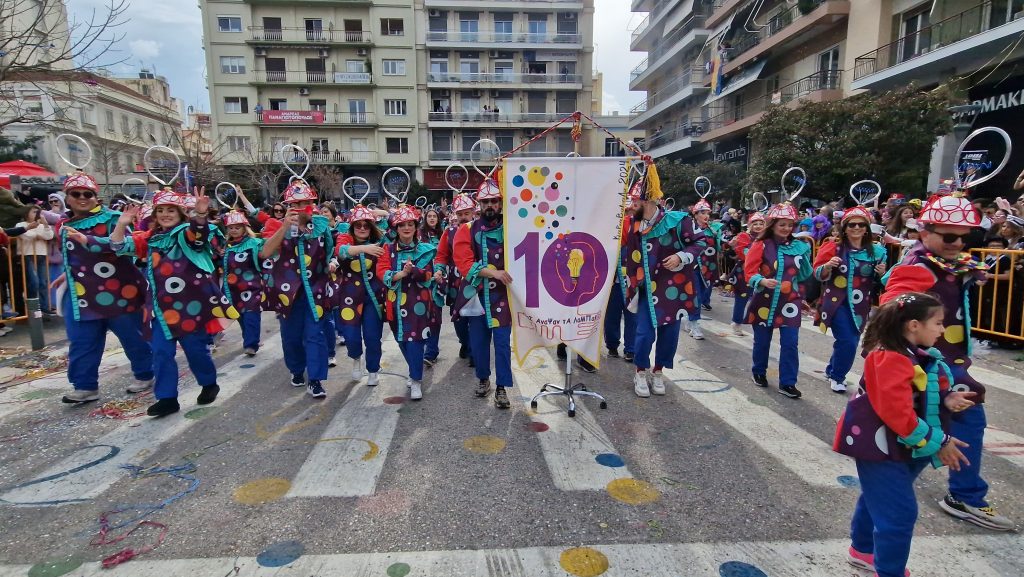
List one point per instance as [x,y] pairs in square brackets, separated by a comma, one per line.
[138,129]
[238,143]
[126,127]
[565,102]
[503,28]
[392,27]
[318,105]
[320,145]
[129,163]
[358,66]
[397,145]
[538,25]
[394,108]
[394,68]
[469,27]
[110,121]
[236,105]
[232,64]
[229,24]
[612,147]
[278,103]
[917,34]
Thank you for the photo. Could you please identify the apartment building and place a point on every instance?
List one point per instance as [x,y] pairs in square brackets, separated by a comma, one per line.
[714,67]
[369,84]
[35,33]
[928,42]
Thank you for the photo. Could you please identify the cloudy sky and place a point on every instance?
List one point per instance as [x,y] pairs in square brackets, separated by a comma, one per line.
[166,37]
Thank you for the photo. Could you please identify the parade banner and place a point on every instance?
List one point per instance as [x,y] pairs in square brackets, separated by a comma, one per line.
[562,227]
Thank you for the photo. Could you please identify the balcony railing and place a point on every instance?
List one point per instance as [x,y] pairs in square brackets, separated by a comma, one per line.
[311,77]
[312,117]
[666,44]
[641,28]
[326,157]
[305,35]
[490,37]
[465,155]
[503,78]
[824,80]
[667,136]
[541,117]
[776,24]
[693,77]
[968,23]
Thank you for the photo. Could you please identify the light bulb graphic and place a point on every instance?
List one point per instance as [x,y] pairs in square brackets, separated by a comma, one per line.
[575,263]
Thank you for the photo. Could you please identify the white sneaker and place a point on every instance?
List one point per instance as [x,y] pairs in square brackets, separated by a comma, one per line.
[373,380]
[415,390]
[837,386]
[686,324]
[332,362]
[140,386]
[640,385]
[357,369]
[737,329]
[657,384]
[695,331]
[408,382]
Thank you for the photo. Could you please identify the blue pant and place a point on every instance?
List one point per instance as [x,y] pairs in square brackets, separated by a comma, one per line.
[966,484]
[36,286]
[462,330]
[302,341]
[433,349]
[667,337]
[55,271]
[884,517]
[739,308]
[197,353]
[88,339]
[703,296]
[370,328]
[789,356]
[413,353]
[481,335]
[330,333]
[615,315]
[844,349]
[250,322]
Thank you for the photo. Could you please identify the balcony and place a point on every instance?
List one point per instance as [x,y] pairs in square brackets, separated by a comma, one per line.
[686,85]
[465,156]
[818,87]
[955,46]
[639,31]
[313,118]
[508,5]
[506,40]
[720,9]
[691,34]
[453,119]
[269,36]
[329,157]
[675,139]
[785,30]
[499,79]
[305,77]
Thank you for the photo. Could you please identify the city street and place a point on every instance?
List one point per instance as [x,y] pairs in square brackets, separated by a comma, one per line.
[717,478]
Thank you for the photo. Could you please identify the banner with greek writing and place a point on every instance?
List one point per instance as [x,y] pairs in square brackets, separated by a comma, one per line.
[562,225]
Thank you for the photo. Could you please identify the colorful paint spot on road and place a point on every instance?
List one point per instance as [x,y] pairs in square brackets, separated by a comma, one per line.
[262,491]
[633,491]
[484,445]
[739,569]
[610,460]
[54,568]
[394,400]
[537,426]
[246,366]
[199,413]
[583,562]
[39,394]
[280,554]
[849,481]
[398,569]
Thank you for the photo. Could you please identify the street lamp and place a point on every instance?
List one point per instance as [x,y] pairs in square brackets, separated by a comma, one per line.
[960,113]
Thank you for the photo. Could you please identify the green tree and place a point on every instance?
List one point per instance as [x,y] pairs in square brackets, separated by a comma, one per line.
[887,137]
[677,181]
[11,149]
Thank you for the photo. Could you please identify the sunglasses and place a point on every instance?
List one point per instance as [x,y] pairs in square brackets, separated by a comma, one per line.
[82,194]
[278,210]
[857,225]
[361,224]
[950,238]
[490,201]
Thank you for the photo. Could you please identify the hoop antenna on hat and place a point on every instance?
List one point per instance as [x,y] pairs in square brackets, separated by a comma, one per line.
[402,194]
[760,201]
[301,154]
[574,155]
[349,183]
[971,182]
[135,180]
[492,147]
[420,202]
[457,166]
[800,176]
[229,200]
[702,186]
[670,203]
[149,169]
[864,192]
[78,140]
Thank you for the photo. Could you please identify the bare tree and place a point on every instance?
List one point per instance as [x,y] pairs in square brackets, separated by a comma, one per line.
[108,155]
[256,174]
[327,179]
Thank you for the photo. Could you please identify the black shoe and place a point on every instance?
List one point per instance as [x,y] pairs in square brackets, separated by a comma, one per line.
[560,352]
[429,362]
[587,367]
[482,388]
[298,381]
[163,407]
[790,391]
[613,353]
[471,363]
[628,357]
[501,399]
[316,390]
[208,395]
[706,307]
[463,351]
[760,380]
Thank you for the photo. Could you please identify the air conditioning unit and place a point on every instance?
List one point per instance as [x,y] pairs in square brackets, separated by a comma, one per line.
[495,93]
[324,53]
[362,52]
[304,91]
[446,94]
[569,15]
[494,53]
[261,52]
[434,13]
[477,94]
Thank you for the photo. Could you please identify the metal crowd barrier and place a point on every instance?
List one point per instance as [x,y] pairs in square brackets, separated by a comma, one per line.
[15,302]
[997,307]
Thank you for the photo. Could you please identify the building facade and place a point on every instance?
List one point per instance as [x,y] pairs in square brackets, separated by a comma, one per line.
[714,67]
[364,85]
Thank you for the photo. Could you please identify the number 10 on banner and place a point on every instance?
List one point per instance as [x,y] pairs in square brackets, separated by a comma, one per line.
[572,269]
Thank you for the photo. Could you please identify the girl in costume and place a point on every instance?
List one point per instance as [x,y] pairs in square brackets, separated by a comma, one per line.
[407,269]
[431,229]
[361,292]
[446,274]
[185,300]
[242,277]
[904,396]
[741,291]
[848,270]
[774,267]
[707,269]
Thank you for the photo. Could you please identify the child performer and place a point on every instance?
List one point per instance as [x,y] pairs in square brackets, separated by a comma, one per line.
[242,278]
[741,292]
[906,398]
[446,274]
[361,292]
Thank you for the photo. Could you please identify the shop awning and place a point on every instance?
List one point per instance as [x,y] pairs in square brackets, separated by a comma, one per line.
[738,80]
[678,16]
[23,169]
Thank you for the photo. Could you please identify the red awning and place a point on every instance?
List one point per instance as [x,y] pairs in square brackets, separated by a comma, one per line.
[22,168]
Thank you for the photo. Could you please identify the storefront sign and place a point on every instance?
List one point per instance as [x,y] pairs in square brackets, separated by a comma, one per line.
[1002,105]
